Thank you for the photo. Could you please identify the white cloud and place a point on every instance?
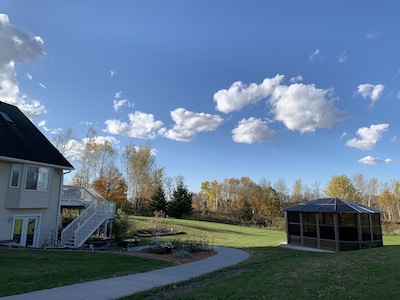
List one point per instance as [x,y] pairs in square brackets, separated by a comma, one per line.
[370,160]
[188,123]
[119,103]
[252,130]
[298,78]
[86,123]
[370,90]
[17,46]
[42,85]
[368,137]
[314,55]
[398,96]
[342,57]
[112,73]
[343,135]
[73,150]
[240,95]
[141,125]
[304,107]
[42,124]
[28,76]
[179,133]
[102,139]
[372,35]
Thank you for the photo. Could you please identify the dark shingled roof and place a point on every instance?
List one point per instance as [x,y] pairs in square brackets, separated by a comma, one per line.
[20,139]
[332,205]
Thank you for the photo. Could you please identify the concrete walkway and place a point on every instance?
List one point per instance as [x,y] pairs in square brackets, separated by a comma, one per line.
[117,287]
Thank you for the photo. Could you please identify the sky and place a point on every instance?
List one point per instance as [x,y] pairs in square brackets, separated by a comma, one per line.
[266,89]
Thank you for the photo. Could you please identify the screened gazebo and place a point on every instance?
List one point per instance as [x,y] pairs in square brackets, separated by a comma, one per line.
[333,224]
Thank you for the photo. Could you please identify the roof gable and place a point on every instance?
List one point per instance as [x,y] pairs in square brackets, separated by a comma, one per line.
[332,205]
[22,140]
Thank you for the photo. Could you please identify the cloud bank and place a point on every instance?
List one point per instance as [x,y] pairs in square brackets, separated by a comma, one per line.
[16,47]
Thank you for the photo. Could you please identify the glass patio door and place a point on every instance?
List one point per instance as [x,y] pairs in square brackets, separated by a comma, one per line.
[24,231]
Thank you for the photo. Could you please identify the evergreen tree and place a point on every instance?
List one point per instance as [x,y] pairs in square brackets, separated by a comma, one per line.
[246,213]
[181,202]
[158,202]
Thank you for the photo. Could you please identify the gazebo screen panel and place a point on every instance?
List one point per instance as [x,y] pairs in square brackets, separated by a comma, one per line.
[294,229]
[309,224]
[348,233]
[376,227]
[293,217]
[376,219]
[348,230]
[347,219]
[327,232]
[364,220]
[376,233]
[326,218]
[366,233]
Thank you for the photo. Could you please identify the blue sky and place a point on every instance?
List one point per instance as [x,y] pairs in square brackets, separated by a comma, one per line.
[266,89]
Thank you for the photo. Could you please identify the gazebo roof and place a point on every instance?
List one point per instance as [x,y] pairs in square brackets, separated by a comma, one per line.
[332,205]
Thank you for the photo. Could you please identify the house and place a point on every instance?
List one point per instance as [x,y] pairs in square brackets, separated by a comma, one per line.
[333,224]
[31,181]
[32,194]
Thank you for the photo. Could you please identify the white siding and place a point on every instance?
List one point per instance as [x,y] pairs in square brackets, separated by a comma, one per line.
[45,204]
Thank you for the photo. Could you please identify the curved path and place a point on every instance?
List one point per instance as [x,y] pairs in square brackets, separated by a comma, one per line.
[114,288]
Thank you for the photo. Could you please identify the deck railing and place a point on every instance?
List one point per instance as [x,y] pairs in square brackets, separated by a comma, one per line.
[97,211]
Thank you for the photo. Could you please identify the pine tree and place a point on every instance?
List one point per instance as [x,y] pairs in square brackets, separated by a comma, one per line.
[158,202]
[181,202]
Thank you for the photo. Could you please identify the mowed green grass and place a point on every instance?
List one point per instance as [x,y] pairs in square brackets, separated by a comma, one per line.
[273,272]
[26,270]
[217,234]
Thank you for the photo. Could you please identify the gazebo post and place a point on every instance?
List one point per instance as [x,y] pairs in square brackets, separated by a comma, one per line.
[301,230]
[318,234]
[371,234]
[359,231]
[336,228]
[287,229]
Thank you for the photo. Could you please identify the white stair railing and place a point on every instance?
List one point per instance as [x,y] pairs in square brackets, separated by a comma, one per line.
[103,212]
[83,226]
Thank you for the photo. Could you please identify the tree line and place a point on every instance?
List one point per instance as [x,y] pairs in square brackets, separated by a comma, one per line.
[139,186]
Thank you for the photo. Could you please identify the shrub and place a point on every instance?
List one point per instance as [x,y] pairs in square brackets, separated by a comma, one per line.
[192,245]
[122,226]
[183,254]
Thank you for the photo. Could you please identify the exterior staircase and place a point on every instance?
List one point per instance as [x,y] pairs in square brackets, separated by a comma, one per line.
[98,211]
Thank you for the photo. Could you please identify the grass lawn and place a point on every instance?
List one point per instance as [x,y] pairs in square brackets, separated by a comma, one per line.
[30,270]
[271,272]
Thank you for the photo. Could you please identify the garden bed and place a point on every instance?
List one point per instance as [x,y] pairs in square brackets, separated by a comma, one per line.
[166,233]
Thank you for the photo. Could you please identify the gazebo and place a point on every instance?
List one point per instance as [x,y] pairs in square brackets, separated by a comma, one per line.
[333,224]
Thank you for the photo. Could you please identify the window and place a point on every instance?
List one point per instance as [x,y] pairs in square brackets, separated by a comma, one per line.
[37,178]
[6,117]
[15,171]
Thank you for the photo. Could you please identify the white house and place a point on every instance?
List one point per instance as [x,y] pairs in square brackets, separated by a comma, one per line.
[31,181]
